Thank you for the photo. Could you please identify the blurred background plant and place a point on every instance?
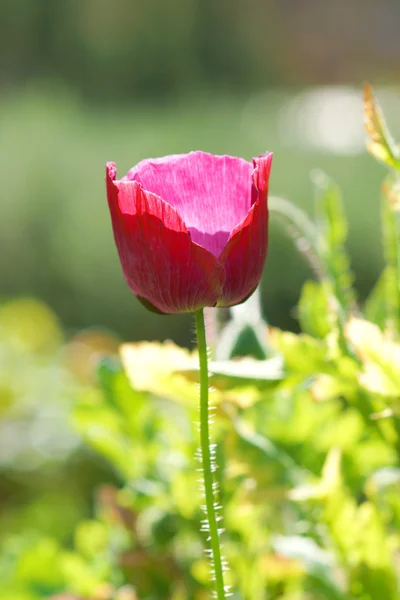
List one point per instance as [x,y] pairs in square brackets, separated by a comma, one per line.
[307,432]
[83,83]
[99,496]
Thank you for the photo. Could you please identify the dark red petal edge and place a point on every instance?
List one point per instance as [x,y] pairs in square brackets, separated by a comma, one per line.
[160,262]
[245,253]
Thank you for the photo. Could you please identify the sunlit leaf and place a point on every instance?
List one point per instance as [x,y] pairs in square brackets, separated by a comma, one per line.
[155,367]
[40,565]
[330,480]
[380,143]
[91,538]
[82,578]
[346,434]
[327,387]
[302,353]
[380,357]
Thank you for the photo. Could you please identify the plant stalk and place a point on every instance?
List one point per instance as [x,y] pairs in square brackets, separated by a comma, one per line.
[208,464]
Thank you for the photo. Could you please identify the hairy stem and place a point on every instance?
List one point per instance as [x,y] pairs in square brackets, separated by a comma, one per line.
[206,457]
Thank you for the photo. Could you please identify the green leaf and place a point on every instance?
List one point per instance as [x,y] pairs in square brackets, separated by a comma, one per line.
[302,353]
[332,235]
[265,452]
[245,372]
[375,307]
[300,228]
[314,312]
[82,578]
[358,530]
[376,572]
[40,565]
[382,479]
[103,430]
[390,236]
[91,538]
[246,334]
[318,562]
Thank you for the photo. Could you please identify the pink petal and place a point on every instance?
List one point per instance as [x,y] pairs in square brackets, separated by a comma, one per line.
[211,193]
[246,250]
[160,262]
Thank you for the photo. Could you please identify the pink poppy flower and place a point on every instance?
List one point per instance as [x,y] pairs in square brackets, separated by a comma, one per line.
[191,229]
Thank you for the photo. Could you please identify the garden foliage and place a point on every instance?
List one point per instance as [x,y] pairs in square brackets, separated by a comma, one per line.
[307,433]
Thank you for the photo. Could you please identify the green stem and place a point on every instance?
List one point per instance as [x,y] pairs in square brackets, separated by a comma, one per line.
[207,463]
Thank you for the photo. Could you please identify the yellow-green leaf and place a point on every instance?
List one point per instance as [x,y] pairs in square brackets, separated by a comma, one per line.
[380,357]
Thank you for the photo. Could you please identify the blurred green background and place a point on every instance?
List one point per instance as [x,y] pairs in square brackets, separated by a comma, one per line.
[84,82]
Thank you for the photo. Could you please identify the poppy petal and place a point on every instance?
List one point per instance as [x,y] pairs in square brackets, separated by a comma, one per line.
[160,261]
[245,253]
[211,193]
